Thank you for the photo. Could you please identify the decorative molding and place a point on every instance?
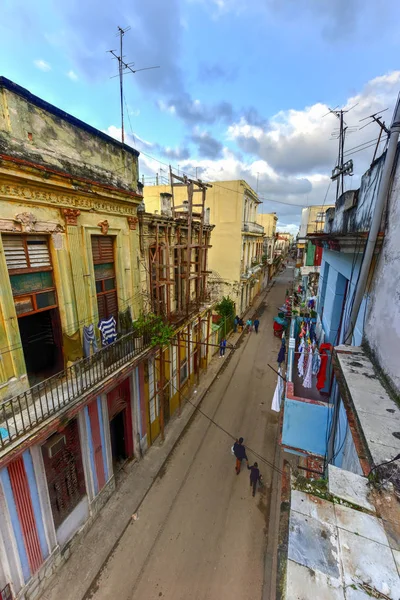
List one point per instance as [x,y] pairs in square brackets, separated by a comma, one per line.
[71,215]
[27,223]
[104,226]
[132,221]
[36,196]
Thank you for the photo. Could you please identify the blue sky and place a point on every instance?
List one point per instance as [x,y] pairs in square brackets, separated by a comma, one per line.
[243,86]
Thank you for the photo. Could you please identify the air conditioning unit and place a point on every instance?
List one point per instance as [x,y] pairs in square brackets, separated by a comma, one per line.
[55,444]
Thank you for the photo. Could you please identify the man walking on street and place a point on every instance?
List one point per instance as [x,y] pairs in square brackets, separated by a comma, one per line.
[235,324]
[254,476]
[240,452]
[256,324]
[249,324]
[222,347]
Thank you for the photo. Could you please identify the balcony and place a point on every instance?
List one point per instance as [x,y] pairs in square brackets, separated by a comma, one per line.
[22,414]
[249,227]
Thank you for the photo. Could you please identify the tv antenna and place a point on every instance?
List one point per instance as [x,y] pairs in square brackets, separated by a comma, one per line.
[376,118]
[123,69]
[342,168]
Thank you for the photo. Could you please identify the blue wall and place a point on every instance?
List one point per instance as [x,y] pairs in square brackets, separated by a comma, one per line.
[336,269]
[305,426]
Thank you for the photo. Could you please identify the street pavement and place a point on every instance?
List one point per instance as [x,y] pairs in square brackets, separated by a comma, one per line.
[199,533]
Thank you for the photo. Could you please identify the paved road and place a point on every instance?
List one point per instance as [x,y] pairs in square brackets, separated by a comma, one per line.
[200,533]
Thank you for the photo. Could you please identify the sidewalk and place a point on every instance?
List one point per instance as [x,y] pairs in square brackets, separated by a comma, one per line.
[81,569]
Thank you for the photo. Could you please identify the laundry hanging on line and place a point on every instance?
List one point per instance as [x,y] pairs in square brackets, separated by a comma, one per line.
[108,330]
[89,340]
[277,397]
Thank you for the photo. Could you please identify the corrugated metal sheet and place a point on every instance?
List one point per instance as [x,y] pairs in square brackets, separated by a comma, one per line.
[23,502]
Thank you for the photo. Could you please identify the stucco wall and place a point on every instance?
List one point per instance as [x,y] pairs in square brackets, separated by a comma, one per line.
[382,330]
[30,132]
[336,266]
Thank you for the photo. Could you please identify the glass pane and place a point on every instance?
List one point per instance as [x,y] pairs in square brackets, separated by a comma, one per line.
[109,284]
[46,299]
[98,287]
[104,271]
[23,305]
[31,282]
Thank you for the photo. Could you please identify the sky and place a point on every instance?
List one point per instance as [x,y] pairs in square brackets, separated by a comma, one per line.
[243,90]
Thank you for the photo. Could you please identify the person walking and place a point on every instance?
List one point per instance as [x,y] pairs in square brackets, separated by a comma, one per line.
[255,476]
[241,325]
[240,453]
[256,324]
[235,324]
[249,324]
[222,348]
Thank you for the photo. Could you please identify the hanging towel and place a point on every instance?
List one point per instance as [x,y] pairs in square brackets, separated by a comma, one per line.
[307,382]
[316,362]
[108,330]
[89,340]
[282,354]
[324,363]
[277,398]
[125,321]
[72,347]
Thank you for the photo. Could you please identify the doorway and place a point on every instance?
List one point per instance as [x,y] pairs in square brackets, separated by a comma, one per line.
[117,434]
[40,338]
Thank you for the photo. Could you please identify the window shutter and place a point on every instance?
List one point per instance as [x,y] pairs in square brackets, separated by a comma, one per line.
[102,249]
[38,252]
[14,251]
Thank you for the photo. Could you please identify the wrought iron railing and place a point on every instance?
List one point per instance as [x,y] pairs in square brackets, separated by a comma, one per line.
[27,410]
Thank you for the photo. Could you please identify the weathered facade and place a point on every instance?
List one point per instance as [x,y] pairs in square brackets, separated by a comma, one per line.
[235,257]
[268,221]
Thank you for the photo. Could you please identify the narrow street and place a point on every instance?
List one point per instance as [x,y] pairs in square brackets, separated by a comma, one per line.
[199,533]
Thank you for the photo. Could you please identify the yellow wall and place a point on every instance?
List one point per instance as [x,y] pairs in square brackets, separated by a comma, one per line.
[268,221]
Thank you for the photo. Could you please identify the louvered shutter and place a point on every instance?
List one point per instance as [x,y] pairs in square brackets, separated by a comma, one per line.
[102,249]
[38,252]
[14,251]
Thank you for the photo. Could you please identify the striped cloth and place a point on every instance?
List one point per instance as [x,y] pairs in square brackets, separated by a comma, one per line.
[108,329]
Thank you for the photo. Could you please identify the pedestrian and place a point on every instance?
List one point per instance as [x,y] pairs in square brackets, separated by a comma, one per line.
[240,453]
[241,325]
[222,347]
[235,324]
[256,324]
[255,476]
[249,324]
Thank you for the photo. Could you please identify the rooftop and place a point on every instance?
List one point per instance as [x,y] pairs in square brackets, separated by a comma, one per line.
[377,414]
[336,542]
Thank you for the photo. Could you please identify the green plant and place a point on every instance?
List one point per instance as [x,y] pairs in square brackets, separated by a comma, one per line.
[226,307]
[159,331]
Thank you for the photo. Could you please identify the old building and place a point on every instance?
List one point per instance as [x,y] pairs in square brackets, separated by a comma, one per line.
[174,245]
[235,256]
[268,221]
[69,242]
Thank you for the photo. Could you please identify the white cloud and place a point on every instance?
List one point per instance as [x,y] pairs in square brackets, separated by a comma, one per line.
[72,75]
[42,65]
[290,228]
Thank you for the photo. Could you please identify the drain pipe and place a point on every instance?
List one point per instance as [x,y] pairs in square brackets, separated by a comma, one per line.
[376,222]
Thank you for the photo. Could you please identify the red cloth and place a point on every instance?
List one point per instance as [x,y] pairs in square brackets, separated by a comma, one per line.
[324,363]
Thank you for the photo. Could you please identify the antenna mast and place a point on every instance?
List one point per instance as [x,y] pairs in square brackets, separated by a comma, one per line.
[342,168]
[124,67]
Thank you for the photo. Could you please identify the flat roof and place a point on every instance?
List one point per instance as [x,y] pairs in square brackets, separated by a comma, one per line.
[50,108]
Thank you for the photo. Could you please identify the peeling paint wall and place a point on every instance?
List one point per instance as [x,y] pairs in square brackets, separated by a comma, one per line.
[53,138]
[382,330]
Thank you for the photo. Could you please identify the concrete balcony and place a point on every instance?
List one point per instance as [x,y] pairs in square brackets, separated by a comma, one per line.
[26,413]
[249,227]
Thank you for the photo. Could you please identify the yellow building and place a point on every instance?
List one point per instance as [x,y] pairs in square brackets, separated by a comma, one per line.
[269,221]
[235,256]
[312,221]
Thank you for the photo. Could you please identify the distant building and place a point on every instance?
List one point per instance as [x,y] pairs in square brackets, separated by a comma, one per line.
[235,257]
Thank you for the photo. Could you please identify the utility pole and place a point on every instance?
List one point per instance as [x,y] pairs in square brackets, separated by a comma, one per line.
[342,168]
[124,68]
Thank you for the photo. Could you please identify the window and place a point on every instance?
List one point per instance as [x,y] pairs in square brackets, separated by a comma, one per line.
[104,274]
[31,274]
[320,217]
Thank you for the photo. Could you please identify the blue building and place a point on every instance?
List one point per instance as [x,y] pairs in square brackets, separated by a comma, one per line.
[315,423]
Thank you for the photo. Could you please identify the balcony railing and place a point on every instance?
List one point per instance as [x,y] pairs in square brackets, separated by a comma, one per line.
[22,413]
[252,227]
